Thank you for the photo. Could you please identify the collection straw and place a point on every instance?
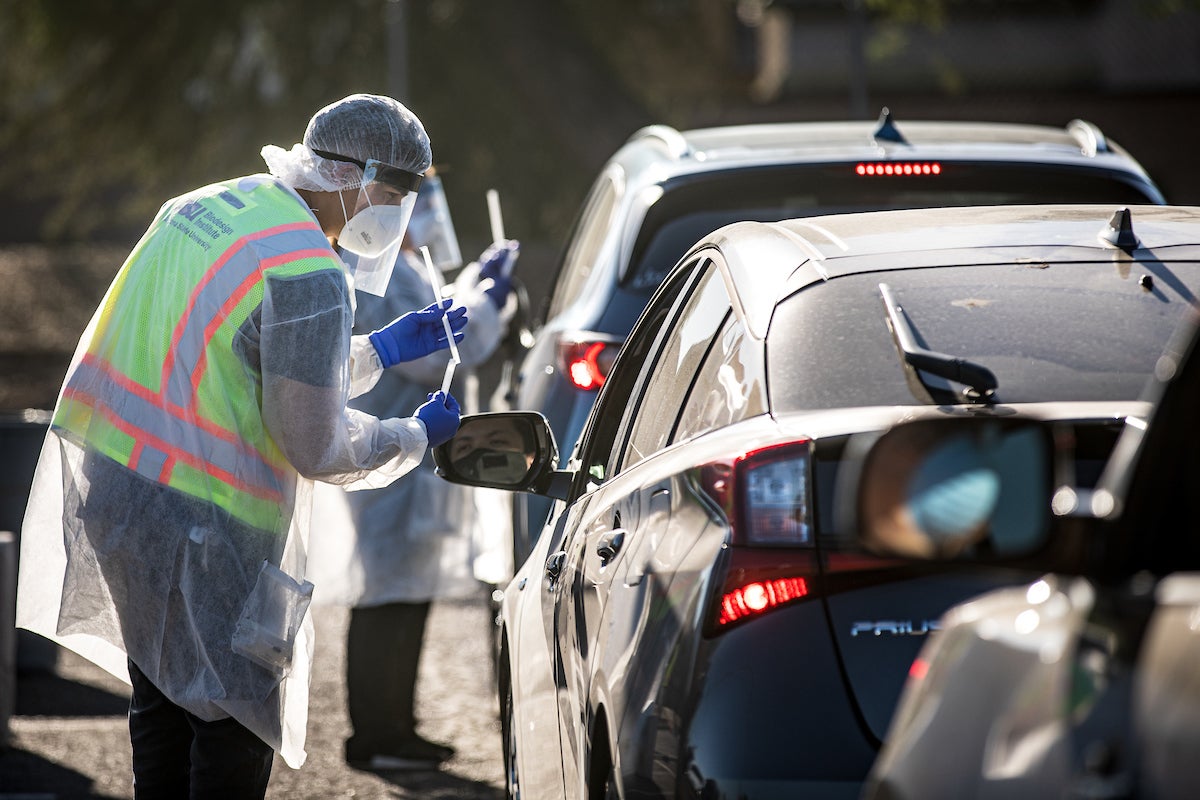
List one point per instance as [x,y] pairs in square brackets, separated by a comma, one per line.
[493,202]
[435,280]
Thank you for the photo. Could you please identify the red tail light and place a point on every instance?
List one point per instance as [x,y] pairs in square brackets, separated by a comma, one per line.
[897,168]
[755,598]
[765,494]
[759,580]
[586,361]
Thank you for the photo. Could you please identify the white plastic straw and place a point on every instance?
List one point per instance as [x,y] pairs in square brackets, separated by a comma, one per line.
[493,201]
[435,280]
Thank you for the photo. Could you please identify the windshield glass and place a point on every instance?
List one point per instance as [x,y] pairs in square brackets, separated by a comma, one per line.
[693,206]
[1048,333]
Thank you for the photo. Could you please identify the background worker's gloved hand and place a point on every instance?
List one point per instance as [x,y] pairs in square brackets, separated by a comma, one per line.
[496,263]
[418,333]
[440,415]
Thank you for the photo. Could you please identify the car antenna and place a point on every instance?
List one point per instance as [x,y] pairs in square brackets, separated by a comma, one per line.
[980,381]
[886,130]
[1119,231]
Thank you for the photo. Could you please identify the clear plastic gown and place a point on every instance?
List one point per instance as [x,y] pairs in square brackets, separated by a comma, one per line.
[117,564]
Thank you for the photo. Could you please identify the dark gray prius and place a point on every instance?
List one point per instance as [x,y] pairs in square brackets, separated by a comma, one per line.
[698,618]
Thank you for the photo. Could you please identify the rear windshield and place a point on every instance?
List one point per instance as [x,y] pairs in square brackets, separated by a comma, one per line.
[694,206]
[1048,333]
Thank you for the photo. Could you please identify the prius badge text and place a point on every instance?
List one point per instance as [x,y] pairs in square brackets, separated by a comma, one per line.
[894,627]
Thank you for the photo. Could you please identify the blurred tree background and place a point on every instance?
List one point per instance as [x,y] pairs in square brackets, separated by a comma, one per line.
[112,106]
[109,107]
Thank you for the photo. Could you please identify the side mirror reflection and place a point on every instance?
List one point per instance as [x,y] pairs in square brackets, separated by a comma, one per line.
[501,450]
[975,488]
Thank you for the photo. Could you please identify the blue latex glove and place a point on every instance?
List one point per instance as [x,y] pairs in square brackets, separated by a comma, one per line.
[496,263]
[418,333]
[440,414]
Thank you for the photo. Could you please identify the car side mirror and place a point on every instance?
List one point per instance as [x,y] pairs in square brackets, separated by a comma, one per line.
[512,450]
[964,488]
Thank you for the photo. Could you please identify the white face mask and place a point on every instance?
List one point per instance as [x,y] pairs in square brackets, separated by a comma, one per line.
[374,229]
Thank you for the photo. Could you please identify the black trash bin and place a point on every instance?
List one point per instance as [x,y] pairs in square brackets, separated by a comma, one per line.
[8,639]
[21,437]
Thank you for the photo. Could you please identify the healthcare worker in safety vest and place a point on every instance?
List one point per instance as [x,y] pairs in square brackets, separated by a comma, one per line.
[166,533]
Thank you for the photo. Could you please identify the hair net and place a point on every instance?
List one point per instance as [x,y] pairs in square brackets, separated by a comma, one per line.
[361,126]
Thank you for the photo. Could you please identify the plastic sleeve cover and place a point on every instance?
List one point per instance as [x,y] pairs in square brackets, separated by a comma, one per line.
[305,359]
[365,365]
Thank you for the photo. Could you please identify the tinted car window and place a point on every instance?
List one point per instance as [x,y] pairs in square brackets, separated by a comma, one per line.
[694,206]
[729,386]
[675,366]
[593,225]
[1061,332]
[617,401]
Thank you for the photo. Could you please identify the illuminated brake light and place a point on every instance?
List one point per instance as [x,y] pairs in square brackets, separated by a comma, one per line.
[586,363]
[755,598]
[584,371]
[903,168]
[764,496]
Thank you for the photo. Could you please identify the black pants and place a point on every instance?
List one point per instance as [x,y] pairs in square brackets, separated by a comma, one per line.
[383,648]
[177,755]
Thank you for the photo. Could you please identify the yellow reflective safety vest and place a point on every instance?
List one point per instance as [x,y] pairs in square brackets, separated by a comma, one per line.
[164,388]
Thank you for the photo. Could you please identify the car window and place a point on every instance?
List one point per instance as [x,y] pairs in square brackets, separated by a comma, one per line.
[675,365]
[694,205]
[611,412]
[1049,332]
[593,225]
[729,386]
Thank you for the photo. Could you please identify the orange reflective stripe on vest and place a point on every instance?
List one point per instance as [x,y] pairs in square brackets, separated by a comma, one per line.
[165,433]
[112,403]
[223,286]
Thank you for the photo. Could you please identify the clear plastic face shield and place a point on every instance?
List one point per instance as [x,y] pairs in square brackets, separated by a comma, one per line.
[432,227]
[376,225]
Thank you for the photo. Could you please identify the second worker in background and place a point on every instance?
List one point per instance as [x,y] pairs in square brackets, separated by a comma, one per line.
[414,538]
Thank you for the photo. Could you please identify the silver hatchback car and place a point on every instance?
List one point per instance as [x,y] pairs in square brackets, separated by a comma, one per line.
[665,189]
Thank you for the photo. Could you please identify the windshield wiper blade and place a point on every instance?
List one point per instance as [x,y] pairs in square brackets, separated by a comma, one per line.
[977,378]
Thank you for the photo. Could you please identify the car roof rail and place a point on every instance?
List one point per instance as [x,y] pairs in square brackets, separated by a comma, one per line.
[1091,139]
[677,146]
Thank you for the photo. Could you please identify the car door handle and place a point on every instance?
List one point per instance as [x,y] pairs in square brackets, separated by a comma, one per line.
[554,565]
[609,545]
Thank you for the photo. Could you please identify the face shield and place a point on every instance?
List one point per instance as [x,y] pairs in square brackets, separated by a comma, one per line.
[432,227]
[375,228]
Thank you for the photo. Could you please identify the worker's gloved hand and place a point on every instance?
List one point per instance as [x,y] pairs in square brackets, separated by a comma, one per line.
[440,415]
[418,333]
[496,264]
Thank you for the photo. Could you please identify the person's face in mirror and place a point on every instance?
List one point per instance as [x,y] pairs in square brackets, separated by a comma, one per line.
[492,450]
[917,506]
[487,434]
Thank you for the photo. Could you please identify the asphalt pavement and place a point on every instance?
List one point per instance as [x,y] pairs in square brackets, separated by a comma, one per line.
[70,741]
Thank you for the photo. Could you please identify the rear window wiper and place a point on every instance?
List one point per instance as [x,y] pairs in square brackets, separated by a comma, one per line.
[979,381]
